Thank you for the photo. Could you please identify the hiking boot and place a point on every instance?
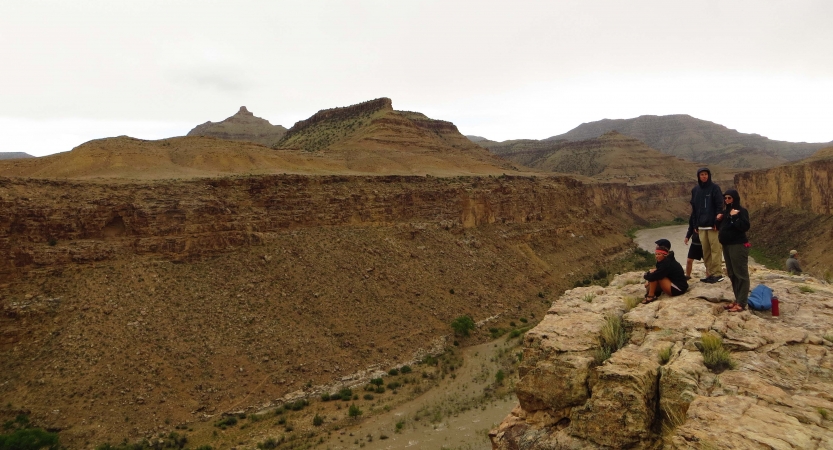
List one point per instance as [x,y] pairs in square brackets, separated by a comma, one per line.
[708,279]
[718,278]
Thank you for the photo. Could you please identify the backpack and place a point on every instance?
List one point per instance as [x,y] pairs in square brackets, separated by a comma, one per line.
[760,298]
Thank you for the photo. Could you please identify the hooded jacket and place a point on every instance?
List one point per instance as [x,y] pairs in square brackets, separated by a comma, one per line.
[733,228]
[706,202]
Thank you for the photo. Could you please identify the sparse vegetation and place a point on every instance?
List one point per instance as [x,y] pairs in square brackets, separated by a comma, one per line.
[463,325]
[806,289]
[317,420]
[715,356]
[354,411]
[611,338]
[665,355]
[823,413]
[630,302]
[22,436]
[588,297]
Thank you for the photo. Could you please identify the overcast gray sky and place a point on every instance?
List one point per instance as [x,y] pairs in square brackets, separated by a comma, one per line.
[84,69]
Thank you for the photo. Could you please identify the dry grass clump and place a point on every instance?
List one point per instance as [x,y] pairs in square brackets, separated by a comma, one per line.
[612,338]
[665,355]
[631,302]
[715,356]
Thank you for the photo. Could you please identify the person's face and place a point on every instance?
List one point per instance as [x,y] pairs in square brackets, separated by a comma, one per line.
[704,176]
[659,256]
[728,199]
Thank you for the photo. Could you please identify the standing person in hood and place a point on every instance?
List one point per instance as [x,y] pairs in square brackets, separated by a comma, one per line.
[733,230]
[706,212]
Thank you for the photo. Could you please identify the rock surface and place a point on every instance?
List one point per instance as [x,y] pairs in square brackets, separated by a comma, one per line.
[777,395]
[242,126]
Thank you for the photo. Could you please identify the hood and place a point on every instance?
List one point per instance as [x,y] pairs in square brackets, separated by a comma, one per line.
[704,169]
[735,199]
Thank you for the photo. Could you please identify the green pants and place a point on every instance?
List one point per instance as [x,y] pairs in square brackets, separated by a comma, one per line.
[736,257]
[711,252]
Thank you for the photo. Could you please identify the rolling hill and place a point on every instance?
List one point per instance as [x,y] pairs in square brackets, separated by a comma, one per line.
[698,140]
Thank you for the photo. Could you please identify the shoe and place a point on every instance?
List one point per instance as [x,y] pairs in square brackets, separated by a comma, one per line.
[687,277]
[718,279]
[706,280]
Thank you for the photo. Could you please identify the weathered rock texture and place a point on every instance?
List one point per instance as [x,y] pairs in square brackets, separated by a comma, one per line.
[242,126]
[171,300]
[698,140]
[777,396]
[792,208]
[609,157]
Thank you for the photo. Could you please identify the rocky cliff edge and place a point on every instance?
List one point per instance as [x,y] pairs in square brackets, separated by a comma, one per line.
[778,393]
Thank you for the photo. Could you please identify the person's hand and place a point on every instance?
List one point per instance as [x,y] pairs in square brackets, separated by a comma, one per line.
[685,241]
[734,212]
[697,231]
[719,216]
[652,270]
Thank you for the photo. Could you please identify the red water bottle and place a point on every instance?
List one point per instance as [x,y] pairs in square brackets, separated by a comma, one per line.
[775,310]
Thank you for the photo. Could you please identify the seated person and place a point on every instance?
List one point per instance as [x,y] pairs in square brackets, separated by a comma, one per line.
[792,263]
[667,277]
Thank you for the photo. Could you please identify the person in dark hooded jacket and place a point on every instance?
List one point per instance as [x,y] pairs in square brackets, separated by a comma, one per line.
[733,228]
[706,212]
[667,277]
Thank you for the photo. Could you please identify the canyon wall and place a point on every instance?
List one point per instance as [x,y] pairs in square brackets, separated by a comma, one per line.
[47,223]
[791,207]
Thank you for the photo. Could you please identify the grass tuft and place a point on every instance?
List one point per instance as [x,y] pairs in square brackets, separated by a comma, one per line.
[665,355]
[611,338]
[806,289]
[588,298]
[631,302]
[715,356]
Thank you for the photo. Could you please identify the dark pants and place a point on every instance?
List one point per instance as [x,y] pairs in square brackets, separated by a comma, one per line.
[736,257]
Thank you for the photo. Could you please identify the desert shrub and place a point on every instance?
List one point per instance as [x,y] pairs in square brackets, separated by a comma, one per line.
[499,377]
[268,444]
[430,360]
[325,397]
[380,389]
[317,420]
[523,320]
[297,405]
[393,372]
[806,289]
[354,411]
[377,381]
[588,298]
[406,369]
[345,394]
[463,325]
[394,385]
[715,356]
[664,355]
[226,422]
[368,396]
[29,439]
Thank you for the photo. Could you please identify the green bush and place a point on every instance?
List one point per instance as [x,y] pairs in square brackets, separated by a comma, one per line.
[377,381]
[406,369]
[665,355]
[499,376]
[354,411]
[463,325]
[229,421]
[317,420]
[611,338]
[345,394]
[393,372]
[29,439]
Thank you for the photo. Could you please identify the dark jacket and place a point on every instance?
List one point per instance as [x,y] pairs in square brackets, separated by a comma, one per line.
[706,202]
[733,228]
[671,269]
[690,234]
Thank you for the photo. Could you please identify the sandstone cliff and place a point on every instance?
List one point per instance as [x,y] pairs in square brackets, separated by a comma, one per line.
[698,140]
[776,395]
[242,126]
[792,208]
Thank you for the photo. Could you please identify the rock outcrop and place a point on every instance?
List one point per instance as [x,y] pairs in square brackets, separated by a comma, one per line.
[610,157]
[242,126]
[776,395]
[698,140]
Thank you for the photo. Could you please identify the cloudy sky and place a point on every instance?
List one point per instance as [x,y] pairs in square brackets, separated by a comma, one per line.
[83,69]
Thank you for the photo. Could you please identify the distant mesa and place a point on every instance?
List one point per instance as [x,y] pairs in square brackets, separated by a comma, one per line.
[243,126]
[369,138]
[609,157]
[14,155]
[474,138]
[698,140]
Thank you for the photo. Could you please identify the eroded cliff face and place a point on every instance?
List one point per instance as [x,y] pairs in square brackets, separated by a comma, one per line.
[171,301]
[776,395]
[792,208]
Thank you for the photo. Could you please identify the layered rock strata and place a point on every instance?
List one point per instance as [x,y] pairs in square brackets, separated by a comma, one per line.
[778,395]
[242,126]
